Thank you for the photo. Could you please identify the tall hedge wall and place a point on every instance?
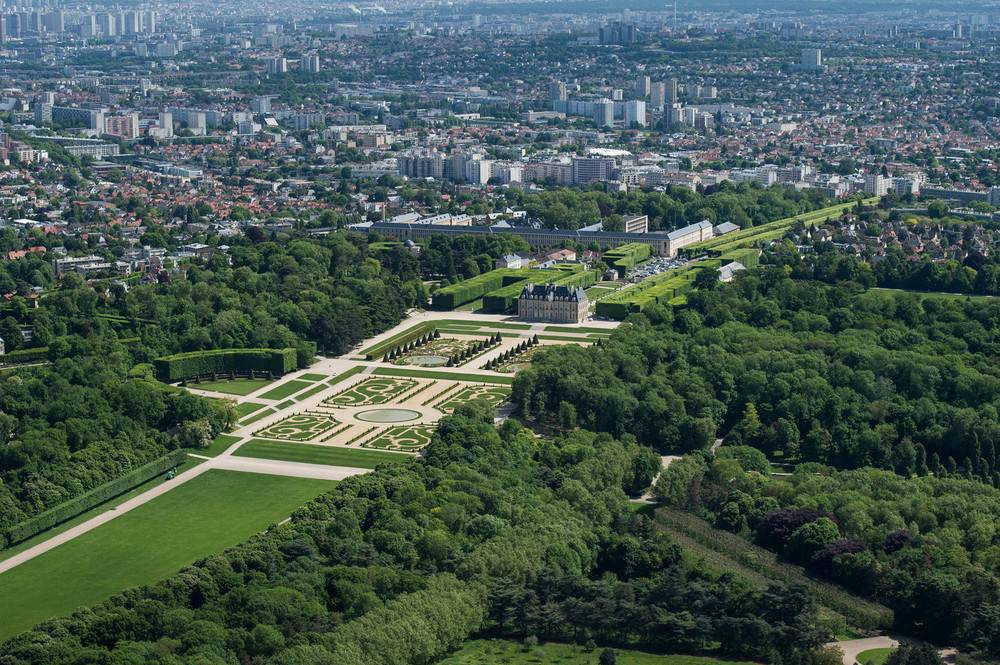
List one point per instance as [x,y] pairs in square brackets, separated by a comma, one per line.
[96,496]
[450,297]
[624,257]
[224,361]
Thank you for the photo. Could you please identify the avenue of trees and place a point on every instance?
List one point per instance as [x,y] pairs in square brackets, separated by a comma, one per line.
[492,532]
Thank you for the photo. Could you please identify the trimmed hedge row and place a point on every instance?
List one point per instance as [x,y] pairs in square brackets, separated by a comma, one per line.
[225,361]
[388,345]
[25,356]
[769,231]
[450,297]
[98,495]
[748,257]
[624,257]
[504,299]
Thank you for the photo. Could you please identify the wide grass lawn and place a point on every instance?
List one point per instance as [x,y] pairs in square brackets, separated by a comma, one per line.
[246,408]
[312,377]
[286,389]
[874,656]
[204,515]
[237,387]
[497,652]
[313,454]
[217,447]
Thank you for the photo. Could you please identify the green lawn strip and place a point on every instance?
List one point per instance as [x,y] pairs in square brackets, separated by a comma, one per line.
[312,391]
[255,418]
[285,389]
[284,405]
[203,516]
[343,375]
[487,652]
[237,387]
[387,343]
[217,447]
[576,329]
[96,510]
[562,338]
[313,454]
[443,375]
[312,377]
[874,656]
[244,409]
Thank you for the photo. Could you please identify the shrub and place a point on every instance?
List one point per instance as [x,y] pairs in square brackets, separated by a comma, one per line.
[204,363]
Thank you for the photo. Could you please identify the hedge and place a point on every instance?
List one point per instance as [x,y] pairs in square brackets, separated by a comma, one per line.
[624,257]
[376,352]
[748,257]
[25,355]
[224,361]
[503,299]
[96,496]
[450,297]
[770,231]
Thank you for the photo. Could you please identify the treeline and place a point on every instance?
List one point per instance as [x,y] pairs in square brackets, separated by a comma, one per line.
[797,369]
[926,547]
[745,204]
[492,532]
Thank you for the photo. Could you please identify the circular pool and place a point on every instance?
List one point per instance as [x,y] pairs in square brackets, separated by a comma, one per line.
[427,361]
[387,415]
[516,367]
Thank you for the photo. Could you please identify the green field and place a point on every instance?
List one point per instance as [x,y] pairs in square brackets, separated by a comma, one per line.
[285,389]
[497,652]
[312,454]
[204,515]
[312,391]
[313,377]
[874,656]
[446,375]
[255,418]
[219,446]
[237,387]
[246,408]
[357,369]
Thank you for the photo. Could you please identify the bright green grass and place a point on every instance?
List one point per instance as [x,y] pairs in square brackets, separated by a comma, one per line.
[246,408]
[313,454]
[874,656]
[470,306]
[563,338]
[96,510]
[313,377]
[204,515]
[255,418]
[351,372]
[446,375]
[237,387]
[312,391]
[219,446]
[495,652]
[285,389]
[576,329]
[484,324]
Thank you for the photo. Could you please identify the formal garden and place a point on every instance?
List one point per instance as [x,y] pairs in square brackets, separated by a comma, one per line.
[405,438]
[495,395]
[300,427]
[378,390]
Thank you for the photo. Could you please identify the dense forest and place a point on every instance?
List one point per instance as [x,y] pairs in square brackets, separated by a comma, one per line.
[493,532]
[927,547]
[823,377]
[801,370]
